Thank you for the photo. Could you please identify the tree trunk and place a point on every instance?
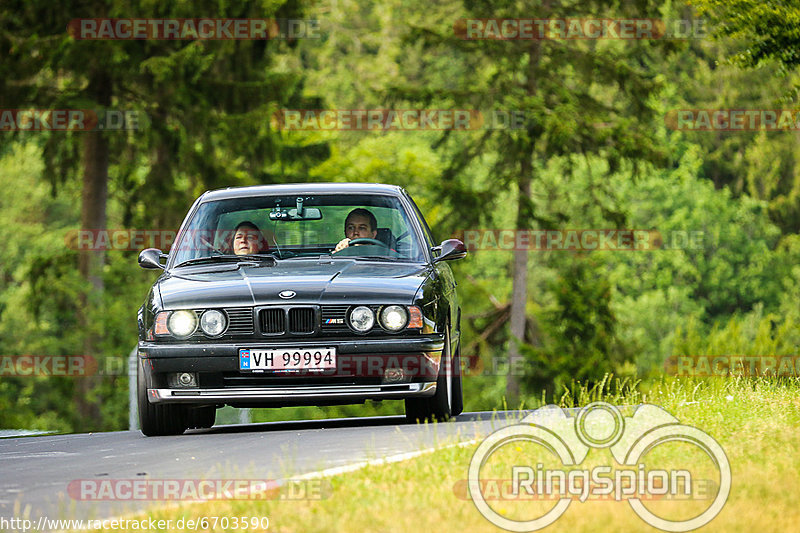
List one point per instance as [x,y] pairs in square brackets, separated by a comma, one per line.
[90,262]
[519,291]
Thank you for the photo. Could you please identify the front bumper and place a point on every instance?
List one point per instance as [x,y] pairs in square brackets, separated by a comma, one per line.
[359,375]
[280,395]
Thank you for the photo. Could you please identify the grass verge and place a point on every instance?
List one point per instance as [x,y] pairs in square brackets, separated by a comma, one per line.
[755,421]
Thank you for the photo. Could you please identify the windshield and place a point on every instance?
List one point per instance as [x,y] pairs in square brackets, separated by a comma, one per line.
[361,226]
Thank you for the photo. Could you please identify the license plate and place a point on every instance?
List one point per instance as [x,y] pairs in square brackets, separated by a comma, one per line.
[287,359]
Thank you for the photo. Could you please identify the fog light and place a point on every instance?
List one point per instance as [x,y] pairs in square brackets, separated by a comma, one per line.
[394,375]
[183,379]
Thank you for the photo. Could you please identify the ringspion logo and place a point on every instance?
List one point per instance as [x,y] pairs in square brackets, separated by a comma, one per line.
[570,438]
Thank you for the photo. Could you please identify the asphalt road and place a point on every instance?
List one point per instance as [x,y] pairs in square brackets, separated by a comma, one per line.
[35,472]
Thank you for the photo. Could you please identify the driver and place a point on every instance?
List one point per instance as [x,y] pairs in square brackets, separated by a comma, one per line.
[359,224]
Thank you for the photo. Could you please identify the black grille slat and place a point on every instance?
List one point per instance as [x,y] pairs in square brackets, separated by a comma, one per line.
[240,321]
[334,316]
[301,320]
[273,321]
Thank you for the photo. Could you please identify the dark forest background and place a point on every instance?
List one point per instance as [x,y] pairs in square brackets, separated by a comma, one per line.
[596,150]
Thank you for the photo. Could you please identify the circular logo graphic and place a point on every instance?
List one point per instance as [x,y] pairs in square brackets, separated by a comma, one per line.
[599,425]
[593,425]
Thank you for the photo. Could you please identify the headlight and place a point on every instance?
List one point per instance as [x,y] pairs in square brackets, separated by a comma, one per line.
[213,322]
[362,319]
[394,317]
[182,323]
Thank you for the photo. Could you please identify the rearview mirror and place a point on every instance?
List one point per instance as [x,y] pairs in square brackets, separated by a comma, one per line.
[287,215]
[451,249]
[151,258]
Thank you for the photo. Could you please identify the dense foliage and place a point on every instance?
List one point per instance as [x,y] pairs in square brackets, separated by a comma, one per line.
[596,150]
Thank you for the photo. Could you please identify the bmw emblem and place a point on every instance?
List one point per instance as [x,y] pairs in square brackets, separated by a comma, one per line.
[287,294]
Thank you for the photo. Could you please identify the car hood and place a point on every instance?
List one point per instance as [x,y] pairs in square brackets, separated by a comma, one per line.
[312,281]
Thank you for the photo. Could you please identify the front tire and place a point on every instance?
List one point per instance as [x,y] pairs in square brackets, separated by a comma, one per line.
[157,420]
[447,402]
[457,406]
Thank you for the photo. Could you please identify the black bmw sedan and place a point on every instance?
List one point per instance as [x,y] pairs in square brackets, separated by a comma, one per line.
[308,294]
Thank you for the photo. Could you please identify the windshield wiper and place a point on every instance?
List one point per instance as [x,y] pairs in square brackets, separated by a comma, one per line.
[228,258]
[374,257]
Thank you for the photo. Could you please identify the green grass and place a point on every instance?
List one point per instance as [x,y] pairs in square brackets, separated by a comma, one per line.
[755,421]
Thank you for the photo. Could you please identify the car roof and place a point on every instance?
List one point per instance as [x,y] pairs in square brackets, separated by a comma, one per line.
[302,189]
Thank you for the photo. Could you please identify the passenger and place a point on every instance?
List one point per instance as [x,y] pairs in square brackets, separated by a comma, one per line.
[248,239]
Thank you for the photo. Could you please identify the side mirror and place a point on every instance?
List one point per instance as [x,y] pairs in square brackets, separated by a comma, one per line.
[451,249]
[151,258]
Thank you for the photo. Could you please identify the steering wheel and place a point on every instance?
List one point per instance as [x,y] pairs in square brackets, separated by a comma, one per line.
[368,241]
